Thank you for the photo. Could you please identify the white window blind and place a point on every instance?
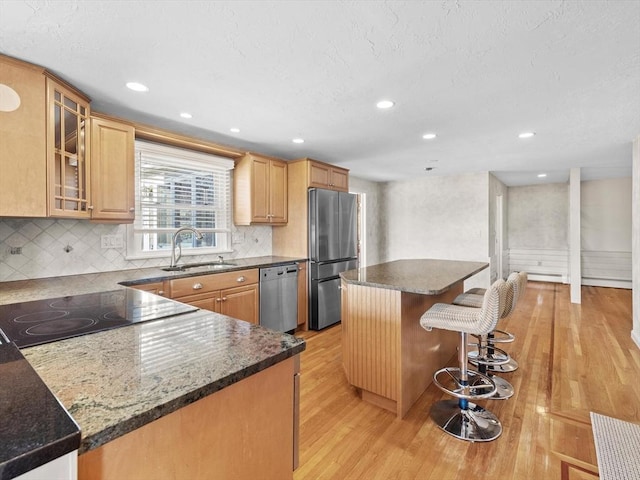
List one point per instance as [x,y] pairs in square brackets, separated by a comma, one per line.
[180,188]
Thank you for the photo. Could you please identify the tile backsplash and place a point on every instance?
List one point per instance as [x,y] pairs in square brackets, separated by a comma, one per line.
[45,247]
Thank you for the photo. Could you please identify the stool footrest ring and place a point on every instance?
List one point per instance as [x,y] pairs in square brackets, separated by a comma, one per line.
[504,388]
[510,366]
[484,356]
[478,385]
[501,336]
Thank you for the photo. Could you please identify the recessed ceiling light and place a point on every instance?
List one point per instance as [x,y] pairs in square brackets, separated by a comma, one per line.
[234,130]
[428,169]
[542,175]
[385,104]
[137,87]
[298,140]
[186,115]
[429,136]
[526,134]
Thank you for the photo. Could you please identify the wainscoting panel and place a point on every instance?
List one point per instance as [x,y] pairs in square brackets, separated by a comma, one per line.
[606,269]
[541,264]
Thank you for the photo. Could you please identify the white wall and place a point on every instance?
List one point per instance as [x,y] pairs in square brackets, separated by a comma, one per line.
[605,207]
[635,334]
[605,219]
[538,231]
[538,217]
[373,239]
[438,217]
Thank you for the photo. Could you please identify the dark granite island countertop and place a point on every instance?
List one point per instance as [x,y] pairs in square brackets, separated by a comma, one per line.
[35,429]
[423,276]
[116,381]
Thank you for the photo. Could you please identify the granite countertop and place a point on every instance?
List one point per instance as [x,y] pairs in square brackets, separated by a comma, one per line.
[41,288]
[424,276]
[115,381]
[35,429]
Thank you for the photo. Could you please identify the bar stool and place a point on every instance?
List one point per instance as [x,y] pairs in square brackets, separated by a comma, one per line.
[487,355]
[497,356]
[461,418]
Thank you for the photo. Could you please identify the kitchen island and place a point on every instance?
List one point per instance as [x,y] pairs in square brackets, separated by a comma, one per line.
[386,354]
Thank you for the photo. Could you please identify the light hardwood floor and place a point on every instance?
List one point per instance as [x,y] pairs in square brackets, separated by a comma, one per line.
[573,359]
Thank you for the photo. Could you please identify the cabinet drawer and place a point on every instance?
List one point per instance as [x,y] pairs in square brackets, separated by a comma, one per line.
[212,282]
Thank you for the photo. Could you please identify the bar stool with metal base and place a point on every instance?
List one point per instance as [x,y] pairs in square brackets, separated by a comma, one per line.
[487,354]
[462,418]
[496,360]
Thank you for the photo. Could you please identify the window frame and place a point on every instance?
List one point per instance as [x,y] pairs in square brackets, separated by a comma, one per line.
[188,158]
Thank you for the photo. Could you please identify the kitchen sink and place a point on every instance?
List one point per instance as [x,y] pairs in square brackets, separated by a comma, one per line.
[200,267]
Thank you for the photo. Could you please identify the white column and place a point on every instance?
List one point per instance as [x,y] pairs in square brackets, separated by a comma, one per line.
[635,242]
[575,271]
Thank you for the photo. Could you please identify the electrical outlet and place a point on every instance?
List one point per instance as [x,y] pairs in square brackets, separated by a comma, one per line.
[111,241]
[15,251]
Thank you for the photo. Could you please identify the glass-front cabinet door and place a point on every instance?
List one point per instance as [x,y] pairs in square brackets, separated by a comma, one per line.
[67,152]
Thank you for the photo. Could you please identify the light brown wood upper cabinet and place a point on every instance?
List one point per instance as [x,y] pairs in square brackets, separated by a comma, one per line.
[23,155]
[56,159]
[68,164]
[112,171]
[323,175]
[260,191]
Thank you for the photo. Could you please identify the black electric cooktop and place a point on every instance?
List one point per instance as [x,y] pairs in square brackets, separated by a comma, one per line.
[42,321]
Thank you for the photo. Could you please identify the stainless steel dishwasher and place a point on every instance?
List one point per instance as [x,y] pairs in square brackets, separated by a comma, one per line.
[279,297]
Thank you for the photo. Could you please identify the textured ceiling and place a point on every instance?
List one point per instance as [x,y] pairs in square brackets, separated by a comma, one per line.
[476,73]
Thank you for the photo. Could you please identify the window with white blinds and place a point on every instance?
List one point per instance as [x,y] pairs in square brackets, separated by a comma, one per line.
[178,188]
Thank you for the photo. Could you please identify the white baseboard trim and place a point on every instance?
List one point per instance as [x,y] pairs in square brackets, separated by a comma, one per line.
[635,336]
[534,277]
[596,282]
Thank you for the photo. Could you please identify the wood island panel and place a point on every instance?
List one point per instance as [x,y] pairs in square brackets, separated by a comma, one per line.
[388,355]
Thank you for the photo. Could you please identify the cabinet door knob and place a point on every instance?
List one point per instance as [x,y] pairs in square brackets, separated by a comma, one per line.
[197,286]
[224,299]
[218,300]
[240,279]
[160,292]
[132,209]
[90,207]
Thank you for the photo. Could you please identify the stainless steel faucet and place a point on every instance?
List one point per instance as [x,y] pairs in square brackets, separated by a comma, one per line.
[175,242]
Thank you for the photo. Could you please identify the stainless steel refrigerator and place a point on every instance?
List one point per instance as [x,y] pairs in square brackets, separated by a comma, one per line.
[332,249]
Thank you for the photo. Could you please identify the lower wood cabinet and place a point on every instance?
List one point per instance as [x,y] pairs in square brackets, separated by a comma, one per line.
[245,431]
[235,294]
